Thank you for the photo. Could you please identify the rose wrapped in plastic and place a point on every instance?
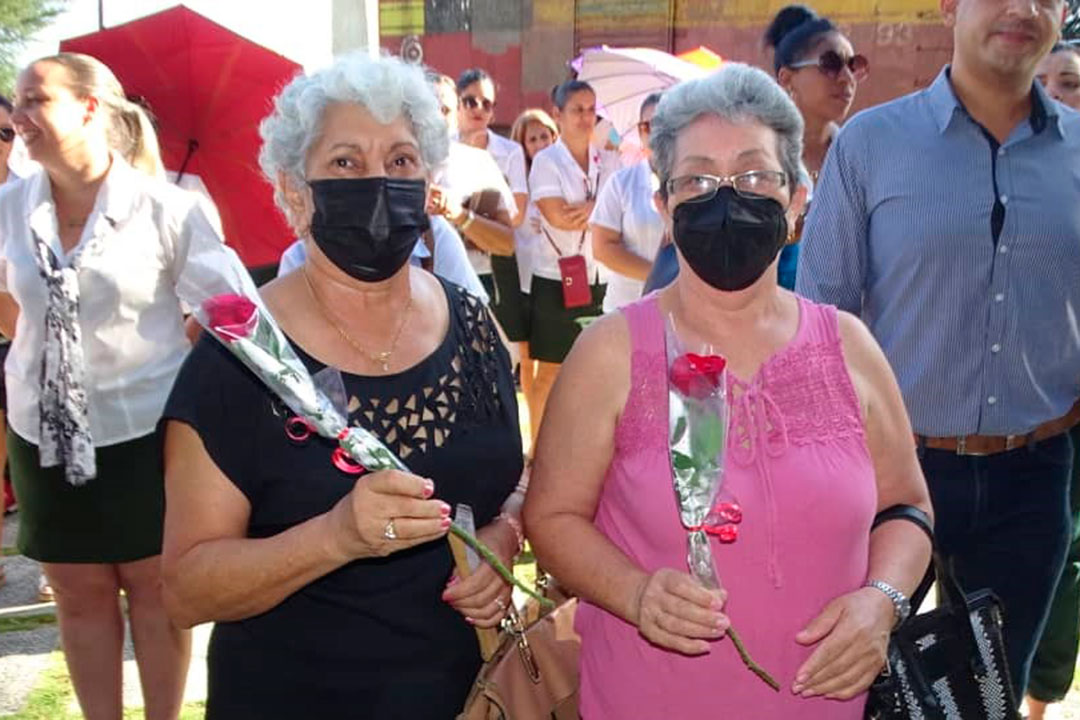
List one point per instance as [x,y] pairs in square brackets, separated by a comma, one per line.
[697,441]
[246,328]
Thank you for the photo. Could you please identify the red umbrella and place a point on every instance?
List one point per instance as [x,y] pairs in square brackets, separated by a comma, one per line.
[208,88]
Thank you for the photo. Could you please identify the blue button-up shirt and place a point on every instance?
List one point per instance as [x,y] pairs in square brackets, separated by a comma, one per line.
[983,335]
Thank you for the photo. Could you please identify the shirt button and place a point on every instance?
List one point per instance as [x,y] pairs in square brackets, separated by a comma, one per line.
[1000,297]
[992,400]
[1001,152]
[1003,249]
[1004,199]
[995,348]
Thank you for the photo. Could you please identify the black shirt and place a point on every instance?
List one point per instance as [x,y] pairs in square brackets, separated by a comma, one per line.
[374,638]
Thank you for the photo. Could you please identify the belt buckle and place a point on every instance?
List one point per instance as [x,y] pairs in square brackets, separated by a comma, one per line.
[962,448]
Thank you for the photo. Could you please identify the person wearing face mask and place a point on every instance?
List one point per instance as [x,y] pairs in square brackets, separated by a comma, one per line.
[949,220]
[626,228]
[1054,664]
[818,67]
[335,593]
[101,256]
[823,444]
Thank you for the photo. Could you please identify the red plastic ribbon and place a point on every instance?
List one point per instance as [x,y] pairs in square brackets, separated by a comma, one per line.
[726,533]
[298,429]
[343,462]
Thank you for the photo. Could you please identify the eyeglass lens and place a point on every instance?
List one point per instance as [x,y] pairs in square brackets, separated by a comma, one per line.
[831,63]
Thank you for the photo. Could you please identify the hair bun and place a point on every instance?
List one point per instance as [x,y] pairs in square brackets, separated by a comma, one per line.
[787,20]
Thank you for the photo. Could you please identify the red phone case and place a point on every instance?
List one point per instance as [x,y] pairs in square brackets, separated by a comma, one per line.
[575,281]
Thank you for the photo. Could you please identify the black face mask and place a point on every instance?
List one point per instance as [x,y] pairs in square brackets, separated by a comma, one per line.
[730,240]
[368,227]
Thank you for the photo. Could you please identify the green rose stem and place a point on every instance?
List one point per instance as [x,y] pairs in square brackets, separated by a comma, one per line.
[496,563]
[749,661]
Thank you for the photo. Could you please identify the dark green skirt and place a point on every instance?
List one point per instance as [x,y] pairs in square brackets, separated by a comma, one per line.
[114,518]
[509,305]
[554,328]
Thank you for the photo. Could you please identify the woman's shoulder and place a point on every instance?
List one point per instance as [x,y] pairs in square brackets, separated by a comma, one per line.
[211,380]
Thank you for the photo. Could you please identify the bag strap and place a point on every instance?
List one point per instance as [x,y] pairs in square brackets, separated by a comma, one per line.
[920,519]
[952,594]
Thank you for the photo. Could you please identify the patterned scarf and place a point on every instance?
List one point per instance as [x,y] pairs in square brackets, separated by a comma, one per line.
[65,422]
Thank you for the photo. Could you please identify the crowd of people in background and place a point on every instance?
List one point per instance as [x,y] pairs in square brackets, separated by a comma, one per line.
[894,296]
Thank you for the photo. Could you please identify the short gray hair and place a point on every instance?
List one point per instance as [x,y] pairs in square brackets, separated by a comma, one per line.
[736,93]
[386,87]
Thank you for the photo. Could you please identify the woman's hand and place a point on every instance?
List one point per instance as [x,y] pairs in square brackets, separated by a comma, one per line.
[484,596]
[361,519]
[854,634]
[675,612]
[439,204]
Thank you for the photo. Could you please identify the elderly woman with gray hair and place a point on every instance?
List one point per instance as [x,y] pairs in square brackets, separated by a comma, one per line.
[819,442]
[333,593]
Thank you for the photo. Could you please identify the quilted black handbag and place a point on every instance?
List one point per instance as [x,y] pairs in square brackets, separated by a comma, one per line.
[948,663]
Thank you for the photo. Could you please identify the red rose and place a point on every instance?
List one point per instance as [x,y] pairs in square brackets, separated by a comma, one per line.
[697,376]
[231,317]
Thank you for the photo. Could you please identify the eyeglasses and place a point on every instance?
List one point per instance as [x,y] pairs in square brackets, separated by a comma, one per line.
[645,126]
[702,188]
[472,102]
[7,134]
[831,64]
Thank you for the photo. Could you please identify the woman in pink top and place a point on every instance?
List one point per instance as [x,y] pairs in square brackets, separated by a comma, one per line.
[819,443]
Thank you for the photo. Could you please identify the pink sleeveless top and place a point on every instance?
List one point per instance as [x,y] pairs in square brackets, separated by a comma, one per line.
[798,463]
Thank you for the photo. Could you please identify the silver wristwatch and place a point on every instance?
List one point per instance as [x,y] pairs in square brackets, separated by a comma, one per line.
[901,604]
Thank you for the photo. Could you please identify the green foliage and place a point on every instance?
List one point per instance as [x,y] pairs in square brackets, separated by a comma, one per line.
[19,21]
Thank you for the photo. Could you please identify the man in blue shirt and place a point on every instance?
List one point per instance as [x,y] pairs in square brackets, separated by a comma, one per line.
[949,220]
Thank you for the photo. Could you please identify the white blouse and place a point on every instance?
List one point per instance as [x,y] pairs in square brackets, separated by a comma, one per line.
[555,173]
[158,250]
[626,206]
[510,157]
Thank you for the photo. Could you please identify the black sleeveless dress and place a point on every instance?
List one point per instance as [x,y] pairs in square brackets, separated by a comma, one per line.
[374,638]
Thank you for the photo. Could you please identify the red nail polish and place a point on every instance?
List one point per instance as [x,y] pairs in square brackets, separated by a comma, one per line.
[444,523]
[444,510]
[429,488]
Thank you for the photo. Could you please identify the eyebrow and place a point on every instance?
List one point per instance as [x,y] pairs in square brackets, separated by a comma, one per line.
[703,160]
[356,146]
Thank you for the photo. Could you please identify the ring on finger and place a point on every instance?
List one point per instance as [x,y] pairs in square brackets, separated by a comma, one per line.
[390,532]
[500,604]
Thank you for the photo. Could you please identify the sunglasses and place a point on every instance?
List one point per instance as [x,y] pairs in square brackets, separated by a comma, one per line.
[472,102]
[831,64]
[7,134]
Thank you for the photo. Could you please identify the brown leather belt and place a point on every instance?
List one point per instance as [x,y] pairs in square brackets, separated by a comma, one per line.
[994,444]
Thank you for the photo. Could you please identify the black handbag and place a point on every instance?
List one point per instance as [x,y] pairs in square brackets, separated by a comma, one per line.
[948,663]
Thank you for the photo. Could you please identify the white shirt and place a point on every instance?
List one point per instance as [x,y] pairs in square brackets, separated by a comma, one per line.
[466,172]
[625,205]
[510,157]
[526,240]
[157,249]
[450,261]
[555,173]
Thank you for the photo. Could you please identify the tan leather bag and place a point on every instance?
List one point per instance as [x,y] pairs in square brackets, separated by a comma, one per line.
[534,673]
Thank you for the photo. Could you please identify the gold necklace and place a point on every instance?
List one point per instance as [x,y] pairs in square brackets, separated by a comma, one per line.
[381,358]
